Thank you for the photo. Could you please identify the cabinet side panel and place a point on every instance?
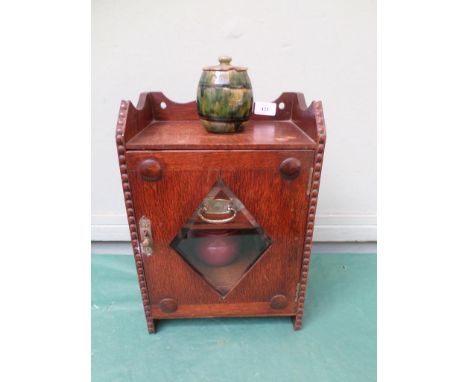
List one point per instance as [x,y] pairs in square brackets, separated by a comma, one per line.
[317,170]
[121,152]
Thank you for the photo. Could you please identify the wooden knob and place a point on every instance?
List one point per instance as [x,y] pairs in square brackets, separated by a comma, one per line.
[168,305]
[151,170]
[290,168]
[279,301]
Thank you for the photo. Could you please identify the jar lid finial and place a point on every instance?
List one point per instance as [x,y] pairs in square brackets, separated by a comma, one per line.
[225,65]
[224,60]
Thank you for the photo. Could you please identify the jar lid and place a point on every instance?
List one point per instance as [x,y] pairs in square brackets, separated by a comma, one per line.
[224,65]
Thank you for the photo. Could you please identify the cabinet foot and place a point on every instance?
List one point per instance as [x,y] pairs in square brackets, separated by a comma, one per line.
[151,325]
[297,322]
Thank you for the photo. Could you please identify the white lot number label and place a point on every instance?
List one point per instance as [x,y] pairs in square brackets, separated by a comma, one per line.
[265,108]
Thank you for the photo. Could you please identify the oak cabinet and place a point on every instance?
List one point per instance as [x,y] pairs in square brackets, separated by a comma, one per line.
[221,224]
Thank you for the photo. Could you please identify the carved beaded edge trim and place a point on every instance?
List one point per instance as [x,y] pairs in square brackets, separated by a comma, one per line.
[319,120]
[131,214]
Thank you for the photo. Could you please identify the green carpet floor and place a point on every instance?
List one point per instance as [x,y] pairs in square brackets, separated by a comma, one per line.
[337,342]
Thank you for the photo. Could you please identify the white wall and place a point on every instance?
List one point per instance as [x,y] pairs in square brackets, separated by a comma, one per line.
[325,49]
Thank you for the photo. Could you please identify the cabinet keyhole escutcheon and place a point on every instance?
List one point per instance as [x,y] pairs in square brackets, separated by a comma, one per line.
[146,236]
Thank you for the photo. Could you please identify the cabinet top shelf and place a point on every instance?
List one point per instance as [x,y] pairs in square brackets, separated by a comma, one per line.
[191,135]
[157,123]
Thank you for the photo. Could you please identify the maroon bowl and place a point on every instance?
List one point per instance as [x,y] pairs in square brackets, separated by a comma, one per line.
[217,248]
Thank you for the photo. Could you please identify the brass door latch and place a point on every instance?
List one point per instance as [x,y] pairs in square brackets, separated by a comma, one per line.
[146,236]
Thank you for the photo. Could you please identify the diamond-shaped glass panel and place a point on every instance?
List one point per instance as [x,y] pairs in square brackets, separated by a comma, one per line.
[221,240]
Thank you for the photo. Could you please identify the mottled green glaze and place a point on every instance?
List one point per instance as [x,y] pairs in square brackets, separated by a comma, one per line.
[224,98]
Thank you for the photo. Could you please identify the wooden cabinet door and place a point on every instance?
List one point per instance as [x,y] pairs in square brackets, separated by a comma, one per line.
[276,199]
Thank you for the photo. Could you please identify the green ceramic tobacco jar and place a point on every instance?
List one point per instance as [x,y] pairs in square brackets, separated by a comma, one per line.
[224,97]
